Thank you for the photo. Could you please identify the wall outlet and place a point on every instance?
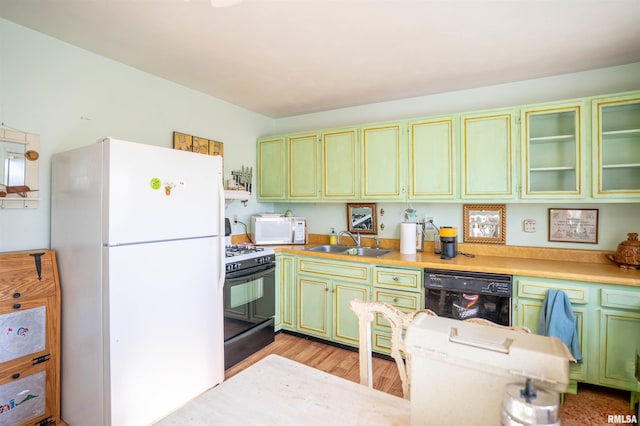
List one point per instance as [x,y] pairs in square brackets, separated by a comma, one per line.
[529,225]
[235,219]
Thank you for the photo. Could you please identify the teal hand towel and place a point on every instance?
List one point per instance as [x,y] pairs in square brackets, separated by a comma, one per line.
[558,320]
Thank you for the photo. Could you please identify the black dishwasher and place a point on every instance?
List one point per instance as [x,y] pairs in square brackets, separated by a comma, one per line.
[462,295]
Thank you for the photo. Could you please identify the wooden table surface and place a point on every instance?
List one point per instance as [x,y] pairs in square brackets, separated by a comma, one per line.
[279,391]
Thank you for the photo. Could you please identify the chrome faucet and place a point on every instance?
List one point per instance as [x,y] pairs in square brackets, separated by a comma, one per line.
[355,239]
[377,240]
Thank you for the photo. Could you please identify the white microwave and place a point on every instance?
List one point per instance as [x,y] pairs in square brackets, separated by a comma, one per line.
[269,229]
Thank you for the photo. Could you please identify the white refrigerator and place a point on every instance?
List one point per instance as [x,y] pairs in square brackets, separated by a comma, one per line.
[139,235]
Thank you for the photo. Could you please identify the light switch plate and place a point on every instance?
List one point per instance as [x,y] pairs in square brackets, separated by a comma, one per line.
[529,225]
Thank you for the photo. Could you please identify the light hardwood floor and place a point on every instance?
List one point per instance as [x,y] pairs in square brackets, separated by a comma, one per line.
[333,360]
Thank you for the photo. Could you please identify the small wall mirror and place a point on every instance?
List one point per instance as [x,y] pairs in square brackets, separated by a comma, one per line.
[361,217]
[18,169]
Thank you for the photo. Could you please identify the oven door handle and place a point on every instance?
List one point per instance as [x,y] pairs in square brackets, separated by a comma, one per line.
[232,280]
[501,347]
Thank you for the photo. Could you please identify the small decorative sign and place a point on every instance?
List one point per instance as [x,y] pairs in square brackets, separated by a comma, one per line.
[573,225]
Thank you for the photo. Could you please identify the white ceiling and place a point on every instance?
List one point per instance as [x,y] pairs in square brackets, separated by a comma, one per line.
[289,57]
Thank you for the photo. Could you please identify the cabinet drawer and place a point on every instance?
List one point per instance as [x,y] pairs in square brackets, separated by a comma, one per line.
[19,277]
[353,271]
[405,279]
[381,341]
[537,289]
[403,300]
[625,299]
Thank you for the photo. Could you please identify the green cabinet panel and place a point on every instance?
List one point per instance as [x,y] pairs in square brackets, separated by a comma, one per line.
[431,159]
[400,288]
[552,153]
[304,167]
[354,271]
[314,306]
[488,156]
[345,321]
[466,156]
[616,147]
[272,168]
[325,288]
[607,322]
[618,351]
[382,162]
[528,314]
[285,297]
[339,162]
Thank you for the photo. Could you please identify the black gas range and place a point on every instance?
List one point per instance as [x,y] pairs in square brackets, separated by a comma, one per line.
[249,301]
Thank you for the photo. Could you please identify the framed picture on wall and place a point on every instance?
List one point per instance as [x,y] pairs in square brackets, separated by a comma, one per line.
[362,218]
[485,223]
[182,141]
[573,225]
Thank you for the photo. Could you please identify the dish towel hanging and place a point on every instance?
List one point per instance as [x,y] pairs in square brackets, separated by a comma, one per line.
[557,319]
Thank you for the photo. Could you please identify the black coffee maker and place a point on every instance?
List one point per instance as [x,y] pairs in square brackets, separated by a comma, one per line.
[448,242]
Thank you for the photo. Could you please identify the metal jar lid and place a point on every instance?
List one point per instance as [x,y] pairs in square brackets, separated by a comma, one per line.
[528,406]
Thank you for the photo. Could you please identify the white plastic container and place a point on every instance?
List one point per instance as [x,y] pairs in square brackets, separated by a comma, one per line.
[459,370]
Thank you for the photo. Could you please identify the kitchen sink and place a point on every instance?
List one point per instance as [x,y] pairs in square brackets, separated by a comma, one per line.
[350,250]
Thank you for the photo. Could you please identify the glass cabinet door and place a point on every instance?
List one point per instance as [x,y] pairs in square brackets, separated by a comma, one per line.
[616,129]
[552,152]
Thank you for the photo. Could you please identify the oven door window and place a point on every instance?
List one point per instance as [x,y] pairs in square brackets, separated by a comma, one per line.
[245,293]
[248,301]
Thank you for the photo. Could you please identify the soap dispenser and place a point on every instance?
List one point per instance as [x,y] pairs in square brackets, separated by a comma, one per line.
[333,238]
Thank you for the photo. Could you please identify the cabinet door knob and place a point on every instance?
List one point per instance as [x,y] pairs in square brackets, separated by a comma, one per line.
[396,279]
[16,306]
[16,295]
[395,299]
[15,376]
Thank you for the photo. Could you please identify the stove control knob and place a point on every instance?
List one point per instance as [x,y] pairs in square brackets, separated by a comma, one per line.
[231,267]
[492,287]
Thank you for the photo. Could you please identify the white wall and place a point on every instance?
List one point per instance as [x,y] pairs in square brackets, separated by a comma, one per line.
[72,97]
[567,86]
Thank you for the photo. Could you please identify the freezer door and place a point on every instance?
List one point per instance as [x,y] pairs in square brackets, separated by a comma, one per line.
[153,193]
[165,327]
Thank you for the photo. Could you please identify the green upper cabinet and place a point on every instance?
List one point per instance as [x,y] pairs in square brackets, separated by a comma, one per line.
[552,153]
[616,147]
[382,161]
[487,155]
[304,167]
[272,168]
[431,159]
[340,164]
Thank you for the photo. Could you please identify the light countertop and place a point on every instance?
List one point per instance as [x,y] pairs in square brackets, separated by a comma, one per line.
[541,263]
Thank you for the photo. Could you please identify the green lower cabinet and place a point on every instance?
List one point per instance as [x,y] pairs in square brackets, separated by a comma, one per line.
[400,288]
[620,341]
[324,311]
[345,321]
[313,306]
[285,292]
[529,314]
[607,322]
[324,290]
